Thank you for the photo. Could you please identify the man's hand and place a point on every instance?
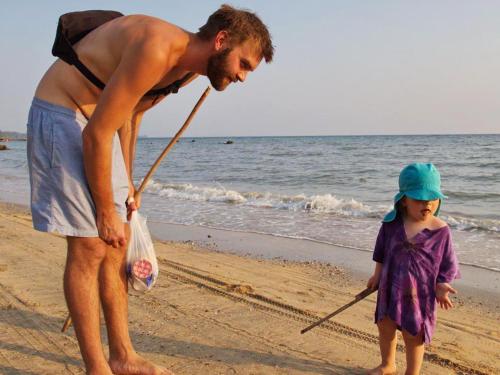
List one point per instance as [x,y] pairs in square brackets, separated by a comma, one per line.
[133,203]
[130,202]
[137,199]
[111,229]
[442,291]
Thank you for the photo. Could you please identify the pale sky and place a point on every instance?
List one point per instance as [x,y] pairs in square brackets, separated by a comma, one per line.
[340,67]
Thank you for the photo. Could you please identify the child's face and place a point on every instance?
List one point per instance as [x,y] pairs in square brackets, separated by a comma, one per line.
[420,210]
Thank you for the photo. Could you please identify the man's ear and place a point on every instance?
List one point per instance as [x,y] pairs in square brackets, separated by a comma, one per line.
[221,40]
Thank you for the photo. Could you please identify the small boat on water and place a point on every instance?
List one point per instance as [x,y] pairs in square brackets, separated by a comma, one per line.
[228,142]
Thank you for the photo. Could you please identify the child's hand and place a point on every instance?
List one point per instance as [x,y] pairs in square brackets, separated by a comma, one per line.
[442,290]
[373,282]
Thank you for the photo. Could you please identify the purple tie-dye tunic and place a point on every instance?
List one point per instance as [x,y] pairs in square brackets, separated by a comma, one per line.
[410,271]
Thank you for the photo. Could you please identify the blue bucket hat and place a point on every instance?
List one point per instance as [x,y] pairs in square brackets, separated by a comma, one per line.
[420,182]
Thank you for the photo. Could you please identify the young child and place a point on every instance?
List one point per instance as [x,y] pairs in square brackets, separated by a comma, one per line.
[415,263]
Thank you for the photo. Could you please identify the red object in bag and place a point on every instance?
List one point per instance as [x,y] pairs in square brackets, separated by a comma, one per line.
[142,268]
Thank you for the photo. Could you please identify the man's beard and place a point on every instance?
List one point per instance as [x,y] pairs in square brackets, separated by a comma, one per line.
[217,70]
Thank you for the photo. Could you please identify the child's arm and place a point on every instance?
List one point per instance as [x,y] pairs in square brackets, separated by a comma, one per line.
[378,257]
[442,291]
[448,271]
[375,278]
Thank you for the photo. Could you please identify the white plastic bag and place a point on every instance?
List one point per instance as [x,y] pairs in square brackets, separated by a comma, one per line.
[142,266]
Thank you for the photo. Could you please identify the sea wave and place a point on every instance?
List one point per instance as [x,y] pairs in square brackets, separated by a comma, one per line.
[321,204]
[471,195]
[326,203]
[472,224]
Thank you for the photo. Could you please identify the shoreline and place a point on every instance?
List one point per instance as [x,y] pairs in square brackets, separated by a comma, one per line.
[342,223]
[215,312]
[475,281]
[478,283]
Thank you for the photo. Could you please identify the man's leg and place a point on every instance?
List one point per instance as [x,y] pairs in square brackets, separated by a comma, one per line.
[114,299]
[83,262]
[113,292]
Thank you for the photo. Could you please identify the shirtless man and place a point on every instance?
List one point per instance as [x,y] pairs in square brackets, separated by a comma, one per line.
[81,144]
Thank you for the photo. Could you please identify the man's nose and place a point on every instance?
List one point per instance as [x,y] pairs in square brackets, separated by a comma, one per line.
[242,76]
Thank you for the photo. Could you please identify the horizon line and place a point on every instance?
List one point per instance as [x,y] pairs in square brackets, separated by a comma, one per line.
[323,135]
[302,135]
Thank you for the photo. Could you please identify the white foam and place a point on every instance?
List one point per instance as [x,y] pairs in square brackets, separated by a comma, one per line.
[468,224]
[326,203]
[195,193]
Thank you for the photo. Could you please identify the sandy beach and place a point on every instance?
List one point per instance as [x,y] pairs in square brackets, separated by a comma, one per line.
[214,312]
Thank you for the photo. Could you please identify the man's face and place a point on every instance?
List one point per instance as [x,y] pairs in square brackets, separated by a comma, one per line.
[232,64]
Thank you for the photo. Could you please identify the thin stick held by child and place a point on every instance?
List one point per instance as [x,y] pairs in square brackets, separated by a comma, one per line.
[415,263]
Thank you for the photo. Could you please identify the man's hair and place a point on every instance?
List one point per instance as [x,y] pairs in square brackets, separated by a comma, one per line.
[241,25]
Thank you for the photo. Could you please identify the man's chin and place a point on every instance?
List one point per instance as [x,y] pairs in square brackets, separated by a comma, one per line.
[220,85]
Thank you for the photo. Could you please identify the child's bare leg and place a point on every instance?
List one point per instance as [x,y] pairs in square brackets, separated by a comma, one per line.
[414,352]
[387,341]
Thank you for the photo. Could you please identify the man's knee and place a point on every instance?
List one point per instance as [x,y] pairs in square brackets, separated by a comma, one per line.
[87,250]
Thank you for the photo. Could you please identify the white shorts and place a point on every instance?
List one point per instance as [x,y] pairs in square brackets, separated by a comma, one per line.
[60,196]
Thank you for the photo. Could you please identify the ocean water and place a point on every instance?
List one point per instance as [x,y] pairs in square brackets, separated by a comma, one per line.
[331,189]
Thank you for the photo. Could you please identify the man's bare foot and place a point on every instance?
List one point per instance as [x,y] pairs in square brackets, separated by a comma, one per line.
[382,370]
[136,365]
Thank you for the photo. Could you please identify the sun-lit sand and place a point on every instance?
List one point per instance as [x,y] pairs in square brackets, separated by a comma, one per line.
[217,313]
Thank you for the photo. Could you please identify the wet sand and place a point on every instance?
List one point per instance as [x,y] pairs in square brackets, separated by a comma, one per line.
[214,312]
[474,281]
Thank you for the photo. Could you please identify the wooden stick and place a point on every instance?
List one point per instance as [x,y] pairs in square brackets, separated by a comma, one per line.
[152,170]
[66,324]
[365,293]
[173,141]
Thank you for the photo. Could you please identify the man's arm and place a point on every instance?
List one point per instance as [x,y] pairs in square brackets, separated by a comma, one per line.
[125,135]
[141,67]
[128,134]
[136,124]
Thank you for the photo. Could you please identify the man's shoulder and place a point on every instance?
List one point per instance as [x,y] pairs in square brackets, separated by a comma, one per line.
[140,29]
[156,28]
[161,36]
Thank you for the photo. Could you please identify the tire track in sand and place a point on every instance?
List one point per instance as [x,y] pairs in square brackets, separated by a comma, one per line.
[186,274]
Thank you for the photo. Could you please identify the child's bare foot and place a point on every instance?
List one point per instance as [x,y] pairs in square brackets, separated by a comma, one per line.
[136,365]
[382,370]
